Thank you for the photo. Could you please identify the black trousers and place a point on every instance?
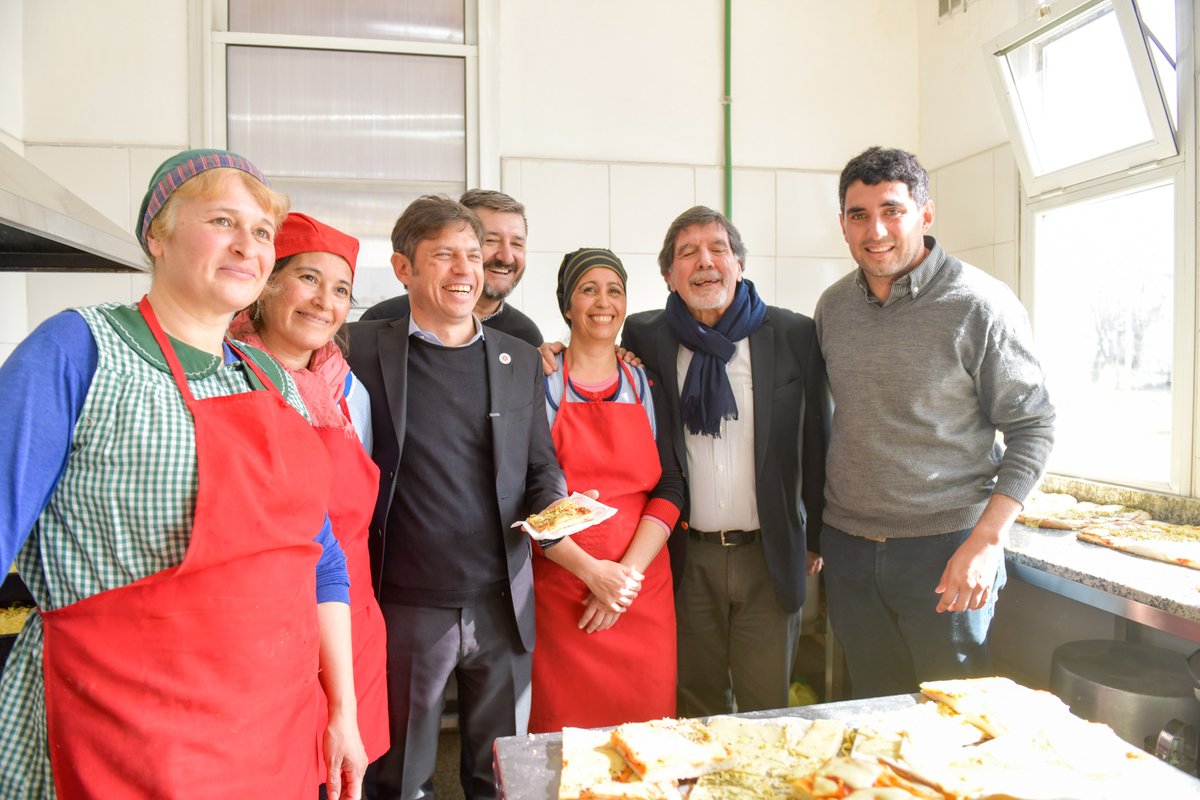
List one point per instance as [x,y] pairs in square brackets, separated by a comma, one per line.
[480,646]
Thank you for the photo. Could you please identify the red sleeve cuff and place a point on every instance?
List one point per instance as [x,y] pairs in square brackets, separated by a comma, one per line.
[662,509]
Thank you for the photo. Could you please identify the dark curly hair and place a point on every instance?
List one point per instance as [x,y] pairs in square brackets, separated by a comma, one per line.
[878,164]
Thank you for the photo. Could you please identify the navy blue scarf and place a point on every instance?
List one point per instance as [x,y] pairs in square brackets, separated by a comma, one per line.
[706,397]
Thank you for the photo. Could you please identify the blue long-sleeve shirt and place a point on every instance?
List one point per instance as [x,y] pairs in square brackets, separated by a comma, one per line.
[43,385]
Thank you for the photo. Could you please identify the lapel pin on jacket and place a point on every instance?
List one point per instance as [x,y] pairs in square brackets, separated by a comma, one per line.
[505,358]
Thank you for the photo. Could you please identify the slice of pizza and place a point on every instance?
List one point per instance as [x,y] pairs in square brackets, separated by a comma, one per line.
[812,745]
[887,735]
[1161,541]
[1040,505]
[559,515]
[849,777]
[671,749]
[1083,514]
[635,790]
[588,759]
[996,705]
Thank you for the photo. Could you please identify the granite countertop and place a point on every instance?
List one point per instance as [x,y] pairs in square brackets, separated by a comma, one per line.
[1171,589]
[1168,587]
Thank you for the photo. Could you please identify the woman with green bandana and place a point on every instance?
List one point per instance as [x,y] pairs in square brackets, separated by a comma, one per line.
[166,504]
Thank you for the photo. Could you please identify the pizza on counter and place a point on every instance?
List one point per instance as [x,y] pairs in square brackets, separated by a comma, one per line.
[974,739]
[1064,512]
[1161,541]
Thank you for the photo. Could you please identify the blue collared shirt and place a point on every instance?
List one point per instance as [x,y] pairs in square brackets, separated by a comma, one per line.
[427,336]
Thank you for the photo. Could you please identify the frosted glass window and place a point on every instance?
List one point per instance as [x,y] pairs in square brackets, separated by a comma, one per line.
[331,114]
[403,20]
[1104,317]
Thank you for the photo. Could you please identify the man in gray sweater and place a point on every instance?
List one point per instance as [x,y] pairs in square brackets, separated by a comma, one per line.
[928,358]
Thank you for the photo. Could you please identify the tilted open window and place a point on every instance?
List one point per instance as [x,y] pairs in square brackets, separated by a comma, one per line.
[1087,89]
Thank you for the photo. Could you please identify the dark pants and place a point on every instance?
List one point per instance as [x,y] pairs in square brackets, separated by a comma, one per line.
[736,643]
[883,611]
[480,646]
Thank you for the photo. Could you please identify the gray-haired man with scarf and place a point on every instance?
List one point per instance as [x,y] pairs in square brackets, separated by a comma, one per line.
[747,416]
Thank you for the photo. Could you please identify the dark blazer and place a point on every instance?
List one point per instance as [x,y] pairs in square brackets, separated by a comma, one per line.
[791,432]
[528,477]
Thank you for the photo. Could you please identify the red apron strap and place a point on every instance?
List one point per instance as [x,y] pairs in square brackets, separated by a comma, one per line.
[623,367]
[248,361]
[168,351]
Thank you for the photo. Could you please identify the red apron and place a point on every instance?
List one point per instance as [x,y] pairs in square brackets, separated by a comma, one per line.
[351,501]
[626,673]
[201,680]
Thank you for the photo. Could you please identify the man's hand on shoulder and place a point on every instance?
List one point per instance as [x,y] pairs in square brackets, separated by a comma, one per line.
[550,351]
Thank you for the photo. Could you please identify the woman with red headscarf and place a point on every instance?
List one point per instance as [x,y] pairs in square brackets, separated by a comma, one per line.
[296,319]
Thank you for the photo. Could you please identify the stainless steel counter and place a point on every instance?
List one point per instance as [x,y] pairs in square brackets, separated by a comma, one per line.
[1163,596]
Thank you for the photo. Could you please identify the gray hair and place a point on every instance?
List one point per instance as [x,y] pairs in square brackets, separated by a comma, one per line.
[698,215]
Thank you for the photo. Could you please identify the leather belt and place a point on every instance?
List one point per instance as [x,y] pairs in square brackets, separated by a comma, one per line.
[725,538]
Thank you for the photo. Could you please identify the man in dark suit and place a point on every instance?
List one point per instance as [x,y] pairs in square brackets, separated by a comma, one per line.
[464,450]
[504,232]
[747,413]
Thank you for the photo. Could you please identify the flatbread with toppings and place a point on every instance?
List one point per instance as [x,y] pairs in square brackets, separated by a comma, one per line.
[1063,512]
[997,705]
[592,769]
[671,749]
[565,517]
[1162,541]
[561,514]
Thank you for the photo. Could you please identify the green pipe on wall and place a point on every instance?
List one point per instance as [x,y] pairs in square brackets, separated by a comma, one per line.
[727,102]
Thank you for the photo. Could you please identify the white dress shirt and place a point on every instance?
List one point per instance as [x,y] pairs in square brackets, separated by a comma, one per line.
[721,479]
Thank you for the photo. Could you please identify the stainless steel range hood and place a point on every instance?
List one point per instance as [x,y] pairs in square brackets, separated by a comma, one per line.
[46,228]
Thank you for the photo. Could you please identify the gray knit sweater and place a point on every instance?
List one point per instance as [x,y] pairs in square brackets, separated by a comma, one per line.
[921,384]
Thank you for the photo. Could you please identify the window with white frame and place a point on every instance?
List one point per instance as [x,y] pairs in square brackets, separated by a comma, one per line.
[1108,239]
[352,109]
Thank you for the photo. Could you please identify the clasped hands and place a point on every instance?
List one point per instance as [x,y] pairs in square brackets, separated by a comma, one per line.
[612,589]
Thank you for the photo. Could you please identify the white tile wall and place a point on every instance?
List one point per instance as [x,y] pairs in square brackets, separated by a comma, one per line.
[49,293]
[966,203]
[772,209]
[981,257]
[106,73]
[1004,264]
[710,188]
[644,200]
[807,215]
[13,313]
[567,204]
[799,282]
[646,288]
[762,271]
[1007,195]
[754,209]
